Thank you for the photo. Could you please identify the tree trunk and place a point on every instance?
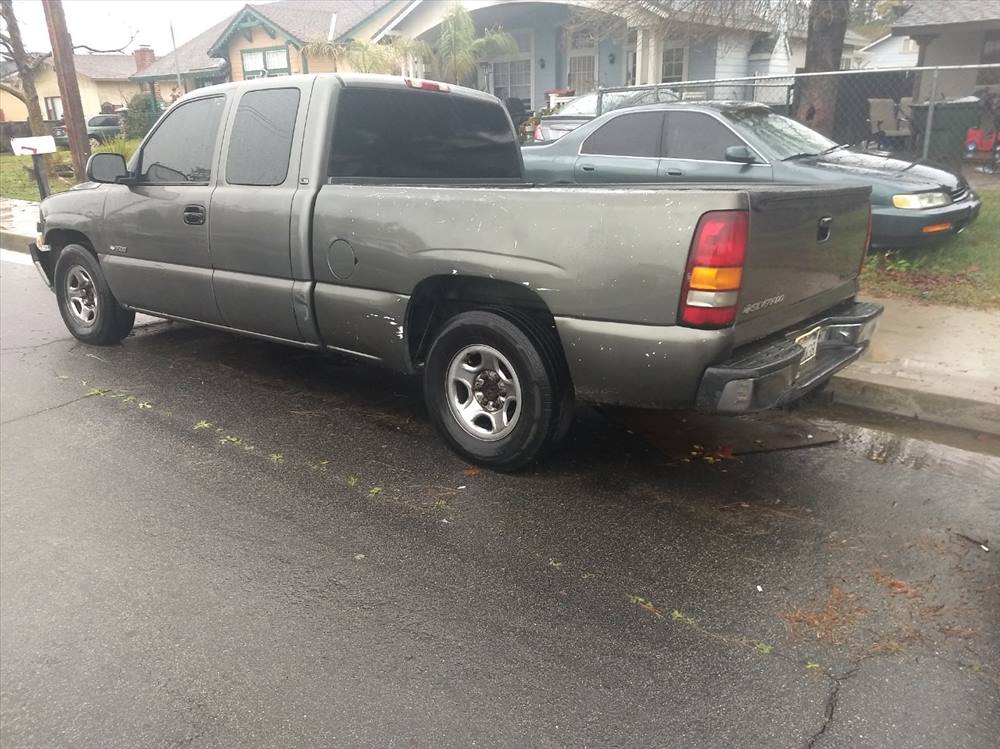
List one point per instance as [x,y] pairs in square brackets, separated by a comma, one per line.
[24,70]
[817,97]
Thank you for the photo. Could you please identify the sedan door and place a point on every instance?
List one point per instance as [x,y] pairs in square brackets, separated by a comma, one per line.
[157,227]
[625,148]
[694,150]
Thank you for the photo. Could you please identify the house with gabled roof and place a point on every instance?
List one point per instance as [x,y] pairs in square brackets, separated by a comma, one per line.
[105,81]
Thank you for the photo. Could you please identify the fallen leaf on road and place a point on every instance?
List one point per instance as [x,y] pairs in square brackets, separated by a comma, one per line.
[471,471]
[646,605]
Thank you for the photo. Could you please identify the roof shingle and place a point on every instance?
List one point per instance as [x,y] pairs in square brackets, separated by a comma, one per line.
[937,13]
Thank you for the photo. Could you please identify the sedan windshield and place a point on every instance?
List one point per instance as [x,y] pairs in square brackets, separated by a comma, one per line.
[586,106]
[785,137]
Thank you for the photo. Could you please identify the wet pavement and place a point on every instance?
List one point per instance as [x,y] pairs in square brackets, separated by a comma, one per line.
[207,540]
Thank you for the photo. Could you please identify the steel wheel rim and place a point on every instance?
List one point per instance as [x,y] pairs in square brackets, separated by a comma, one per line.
[81,296]
[484,392]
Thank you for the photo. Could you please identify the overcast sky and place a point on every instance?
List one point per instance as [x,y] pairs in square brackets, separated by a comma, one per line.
[106,24]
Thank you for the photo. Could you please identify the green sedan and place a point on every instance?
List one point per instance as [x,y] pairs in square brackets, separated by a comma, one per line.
[100,129]
[912,203]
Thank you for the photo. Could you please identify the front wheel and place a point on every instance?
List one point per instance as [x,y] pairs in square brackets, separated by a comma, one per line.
[493,391]
[86,303]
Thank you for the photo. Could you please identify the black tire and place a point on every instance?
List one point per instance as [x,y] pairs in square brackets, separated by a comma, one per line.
[513,342]
[86,303]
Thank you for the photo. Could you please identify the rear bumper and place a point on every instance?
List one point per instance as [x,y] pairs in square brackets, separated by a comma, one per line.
[894,228]
[771,373]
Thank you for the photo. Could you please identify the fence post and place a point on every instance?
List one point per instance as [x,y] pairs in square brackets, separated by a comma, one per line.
[930,116]
[600,102]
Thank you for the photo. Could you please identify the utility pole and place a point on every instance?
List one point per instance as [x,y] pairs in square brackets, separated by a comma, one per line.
[69,90]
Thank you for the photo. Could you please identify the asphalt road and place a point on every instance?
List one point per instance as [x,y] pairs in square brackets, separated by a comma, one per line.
[213,541]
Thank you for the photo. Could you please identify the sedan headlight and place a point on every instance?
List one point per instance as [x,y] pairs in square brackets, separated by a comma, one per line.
[921,200]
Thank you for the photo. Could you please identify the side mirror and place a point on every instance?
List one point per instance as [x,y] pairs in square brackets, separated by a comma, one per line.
[107,167]
[740,154]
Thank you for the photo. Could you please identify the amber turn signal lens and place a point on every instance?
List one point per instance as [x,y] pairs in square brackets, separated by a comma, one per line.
[715,279]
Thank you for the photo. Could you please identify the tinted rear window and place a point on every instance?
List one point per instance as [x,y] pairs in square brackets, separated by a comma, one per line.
[261,141]
[627,135]
[392,134]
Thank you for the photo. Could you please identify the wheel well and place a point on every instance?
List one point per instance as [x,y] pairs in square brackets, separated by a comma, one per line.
[57,239]
[438,298]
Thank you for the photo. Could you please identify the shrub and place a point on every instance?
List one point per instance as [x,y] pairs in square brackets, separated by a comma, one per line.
[143,111]
[119,144]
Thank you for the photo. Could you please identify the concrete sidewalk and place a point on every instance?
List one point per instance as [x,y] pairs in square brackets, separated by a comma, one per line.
[930,362]
[18,219]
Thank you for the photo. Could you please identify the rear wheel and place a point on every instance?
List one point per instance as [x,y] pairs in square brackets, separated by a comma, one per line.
[86,303]
[493,390]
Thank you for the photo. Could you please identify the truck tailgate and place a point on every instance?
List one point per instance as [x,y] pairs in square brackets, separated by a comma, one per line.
[804,253]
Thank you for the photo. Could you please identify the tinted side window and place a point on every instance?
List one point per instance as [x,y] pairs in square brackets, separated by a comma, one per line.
[690,135]
[261,141]
[628,135]
[392,134]
[182,147]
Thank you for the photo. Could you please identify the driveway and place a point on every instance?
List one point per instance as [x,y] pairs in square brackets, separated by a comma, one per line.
[207,540]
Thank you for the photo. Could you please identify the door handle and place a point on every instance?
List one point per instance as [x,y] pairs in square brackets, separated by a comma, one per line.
[588,168]
[675,172]
[194,215]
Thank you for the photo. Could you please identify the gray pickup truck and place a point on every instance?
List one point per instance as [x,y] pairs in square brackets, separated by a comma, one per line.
[388,219]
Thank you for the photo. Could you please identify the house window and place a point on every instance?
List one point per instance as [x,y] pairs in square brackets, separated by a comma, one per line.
[673,65]
[265,63]
[845,62]
[582,67]
[53,108]
[991,54]
[511,77]
[909,44]
[512,80]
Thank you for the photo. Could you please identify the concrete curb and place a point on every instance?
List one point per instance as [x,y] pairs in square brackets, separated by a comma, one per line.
[903,401]
[15,241]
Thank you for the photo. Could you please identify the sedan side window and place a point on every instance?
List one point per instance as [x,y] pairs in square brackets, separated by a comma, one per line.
[627,135]
[698,137]
[182,147]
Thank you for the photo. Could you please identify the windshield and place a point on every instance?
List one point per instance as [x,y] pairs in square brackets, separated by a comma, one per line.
[581,105]
[782,135]
[586,106]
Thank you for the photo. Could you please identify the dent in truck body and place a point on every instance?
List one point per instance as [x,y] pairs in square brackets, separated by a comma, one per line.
[646,366]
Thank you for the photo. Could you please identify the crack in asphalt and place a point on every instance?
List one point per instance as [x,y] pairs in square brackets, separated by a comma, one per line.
[43,410]
[831,704]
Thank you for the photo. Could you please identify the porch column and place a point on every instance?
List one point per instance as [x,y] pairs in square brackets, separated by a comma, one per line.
[641,40]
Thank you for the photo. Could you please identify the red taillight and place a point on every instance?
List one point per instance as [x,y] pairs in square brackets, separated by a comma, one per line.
[537,135]
[427,85]
[715,270]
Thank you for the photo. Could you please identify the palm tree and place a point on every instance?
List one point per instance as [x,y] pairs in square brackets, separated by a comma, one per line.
[369,57]
[458,49]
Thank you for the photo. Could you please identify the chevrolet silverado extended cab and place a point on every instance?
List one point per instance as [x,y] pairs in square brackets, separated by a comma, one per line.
[388,219]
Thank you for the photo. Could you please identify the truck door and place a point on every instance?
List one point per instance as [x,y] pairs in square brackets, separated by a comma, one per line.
[694,150]
[251,211]
[158,256]
[626,148]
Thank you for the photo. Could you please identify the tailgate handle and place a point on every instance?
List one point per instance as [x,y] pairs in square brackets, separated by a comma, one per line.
[823,228]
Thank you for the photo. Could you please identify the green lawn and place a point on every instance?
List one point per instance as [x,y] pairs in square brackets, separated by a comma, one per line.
[17,180]
[964,271]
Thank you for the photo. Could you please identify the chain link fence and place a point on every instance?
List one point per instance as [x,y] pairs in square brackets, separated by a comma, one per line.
[949,115]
